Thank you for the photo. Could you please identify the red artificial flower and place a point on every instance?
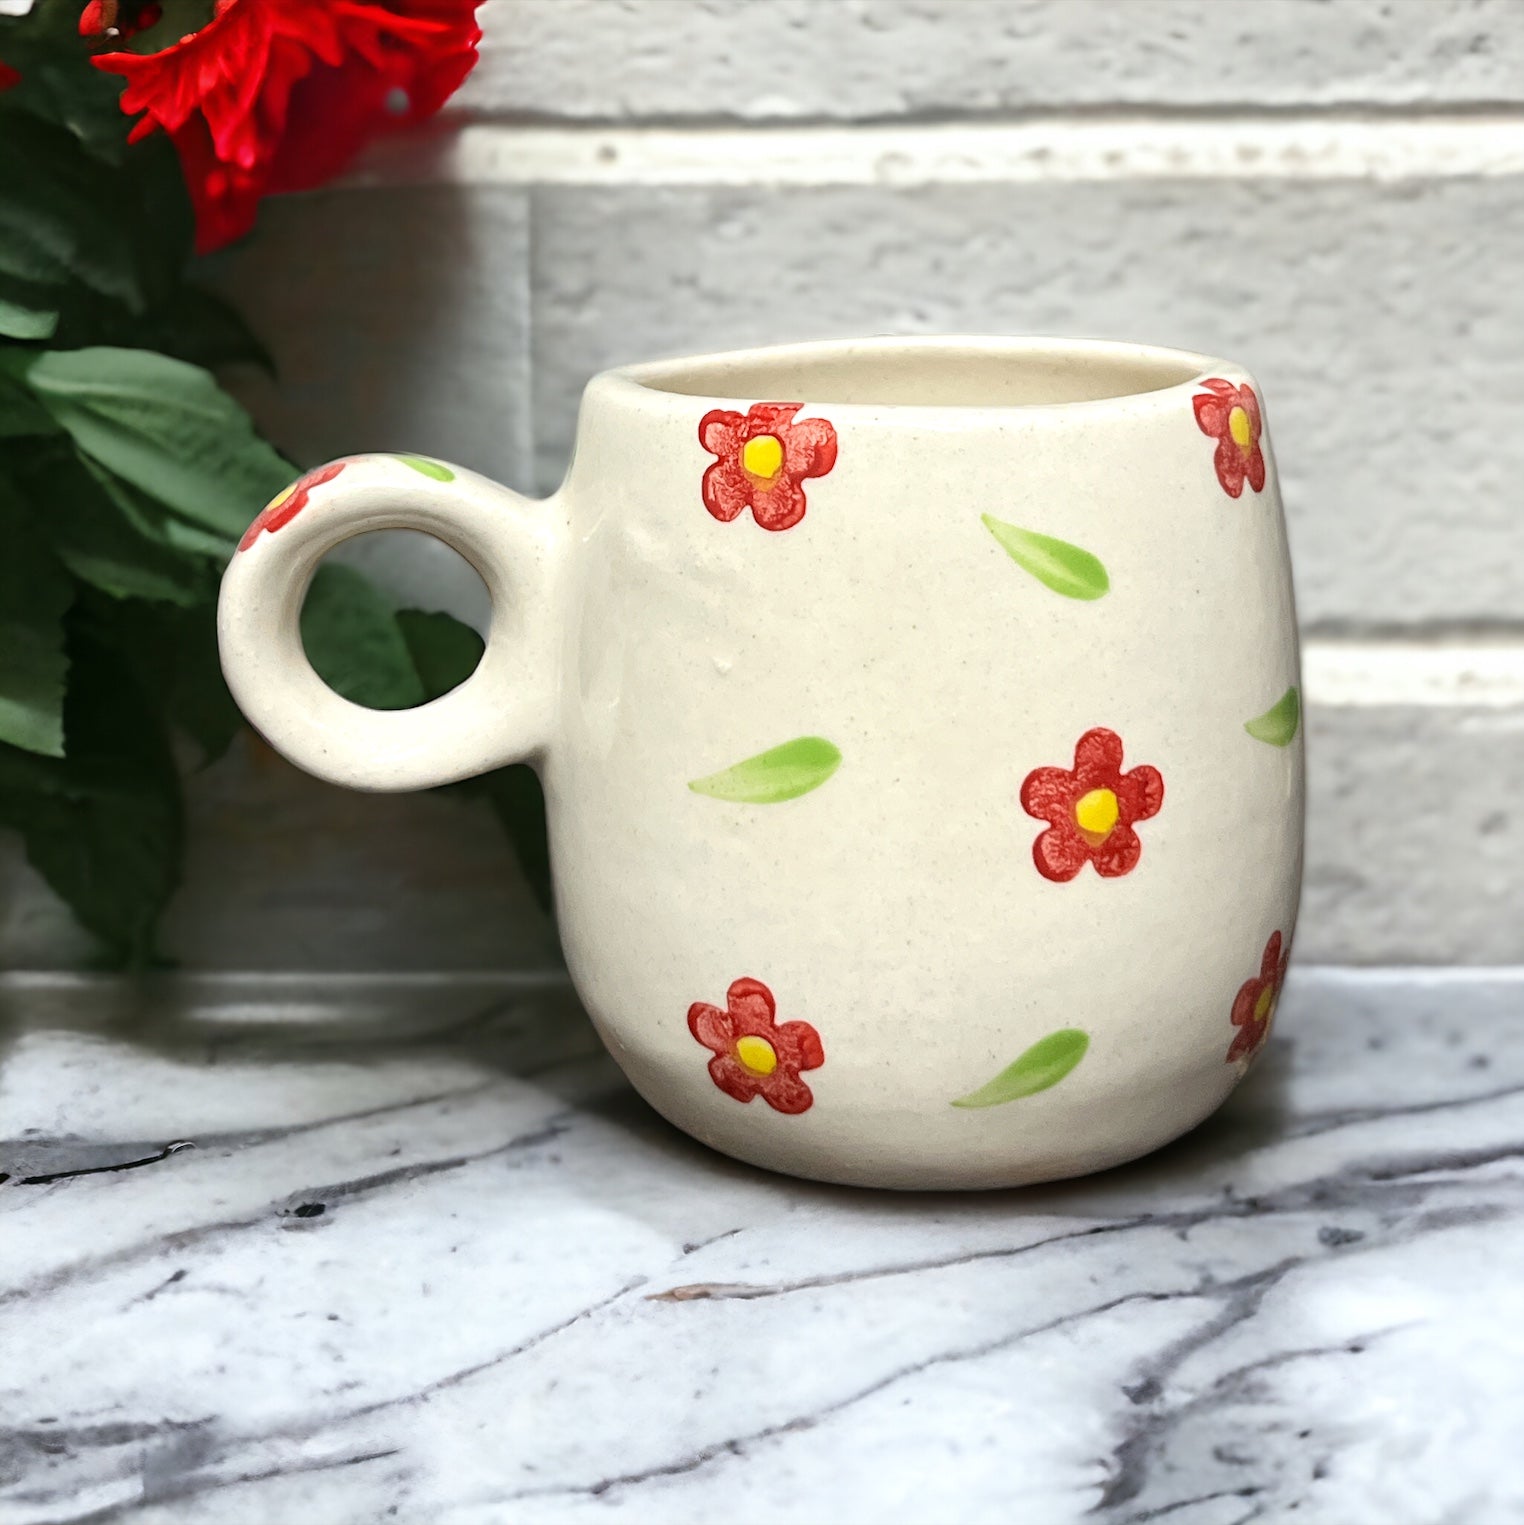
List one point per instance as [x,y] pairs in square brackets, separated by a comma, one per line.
[1230,414]
[754,1055]
[278,95]
[284,507]
[102,18]
[1091,809]
[1254,1005]
[8,76]
[763,459]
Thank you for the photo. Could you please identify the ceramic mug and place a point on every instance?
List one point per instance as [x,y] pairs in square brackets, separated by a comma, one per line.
[921,742]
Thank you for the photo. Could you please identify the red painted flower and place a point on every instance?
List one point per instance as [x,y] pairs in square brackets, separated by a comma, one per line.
[1230,414]
[284,507]
[278,95]
[754,1055]
[1090,809]
[763,460]
[1254,1005]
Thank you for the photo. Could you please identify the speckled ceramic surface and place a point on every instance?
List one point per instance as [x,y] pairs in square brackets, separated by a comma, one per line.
[920,725]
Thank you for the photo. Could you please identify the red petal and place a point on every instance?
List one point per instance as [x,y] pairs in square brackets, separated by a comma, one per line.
[1140,792]
[1048,794]
[1118,854]
[1211,414]
[1229,460]
[727,490]
[1269,964]
[711,1026]
[1097,760]
[786,1092]
[769,418]
[1218,385]
[809,448]
[1243,1002]
[1250,404]
[8,76]
[719,431]
[1059,854]
[779,507]
[799,1046]
[733,1078]
[1256,470]
[1245,1041]
[751,1005]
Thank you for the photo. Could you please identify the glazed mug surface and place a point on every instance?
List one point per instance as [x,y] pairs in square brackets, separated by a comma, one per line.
[920,730]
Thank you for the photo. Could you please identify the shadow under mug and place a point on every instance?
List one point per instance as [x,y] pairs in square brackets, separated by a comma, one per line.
[920,729]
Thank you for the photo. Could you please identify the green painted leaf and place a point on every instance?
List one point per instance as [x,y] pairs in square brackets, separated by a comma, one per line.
[1278,725]
[1055,563]
[1043,1065]
[782,773]
[428,468]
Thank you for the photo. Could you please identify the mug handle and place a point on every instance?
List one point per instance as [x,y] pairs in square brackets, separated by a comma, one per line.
[504,712]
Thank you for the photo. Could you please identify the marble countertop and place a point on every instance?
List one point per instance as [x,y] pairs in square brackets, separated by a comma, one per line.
[428,1259]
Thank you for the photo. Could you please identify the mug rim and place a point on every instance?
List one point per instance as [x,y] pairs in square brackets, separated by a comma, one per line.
[650,383]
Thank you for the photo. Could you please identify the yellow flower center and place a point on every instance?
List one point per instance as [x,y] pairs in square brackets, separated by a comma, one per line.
[1241,430]
[280,498]
[763,456]
[757,1054]
[1265,1004]
[1096,814]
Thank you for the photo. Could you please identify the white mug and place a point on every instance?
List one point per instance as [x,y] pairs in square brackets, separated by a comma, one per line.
[919,726]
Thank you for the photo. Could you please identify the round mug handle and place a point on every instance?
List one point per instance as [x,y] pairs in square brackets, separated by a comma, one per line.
[504,712]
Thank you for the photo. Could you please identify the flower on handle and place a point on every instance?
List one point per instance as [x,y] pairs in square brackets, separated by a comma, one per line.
[285,506]
[1091,809]
[1254,1005]
[764,459]
[1230,415]
[754,1053]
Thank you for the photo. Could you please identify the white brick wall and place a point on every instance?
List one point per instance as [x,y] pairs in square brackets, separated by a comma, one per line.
[1331,192]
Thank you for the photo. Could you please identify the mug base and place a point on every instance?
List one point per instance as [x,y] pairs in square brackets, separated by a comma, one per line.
[863,1165]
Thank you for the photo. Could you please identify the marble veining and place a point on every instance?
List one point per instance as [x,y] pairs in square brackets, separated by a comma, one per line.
[444,1266]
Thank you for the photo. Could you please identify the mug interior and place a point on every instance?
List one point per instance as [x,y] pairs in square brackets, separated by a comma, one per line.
[930,373]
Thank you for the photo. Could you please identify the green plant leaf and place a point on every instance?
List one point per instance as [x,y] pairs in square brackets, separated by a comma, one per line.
[164,427]
[445,653]
[1055,563]
[444,650]
[100,532]
[104,825]
[21,415]
[35,593]
[173,651]
[353,641]
[28,310]
[428,468]
[57,80]
[1043,1065]
[1278,725]
[781,773]
[63,212]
